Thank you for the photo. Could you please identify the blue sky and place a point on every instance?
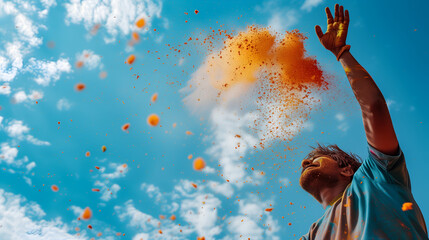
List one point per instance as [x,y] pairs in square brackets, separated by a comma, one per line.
[44,143]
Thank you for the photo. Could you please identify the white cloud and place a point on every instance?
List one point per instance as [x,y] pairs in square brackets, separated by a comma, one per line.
[248,223]
[89,59]
[108,192]
[20,219]
[63,104]
[152,191]
[17,129]
[117,16]
[221,188]
[8,153]
[27,30]
[309,4]
[343,125]
[47,71]
[141,236]
[30,166]
[281,21]
[5,89]
[120,170]
[27,180]
[36,141]
[21,96]
[201,212]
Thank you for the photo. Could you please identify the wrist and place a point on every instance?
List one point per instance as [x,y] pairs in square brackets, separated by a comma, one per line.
[341,51]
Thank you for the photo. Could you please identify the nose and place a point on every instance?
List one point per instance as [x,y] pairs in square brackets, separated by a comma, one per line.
[305,163]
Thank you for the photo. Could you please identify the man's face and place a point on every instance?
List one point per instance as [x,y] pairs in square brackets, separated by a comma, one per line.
[319,172]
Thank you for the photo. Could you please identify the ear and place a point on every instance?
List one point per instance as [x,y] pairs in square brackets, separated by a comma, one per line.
[347,171]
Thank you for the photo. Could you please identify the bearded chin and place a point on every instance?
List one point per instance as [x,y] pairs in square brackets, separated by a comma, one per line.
[313,180]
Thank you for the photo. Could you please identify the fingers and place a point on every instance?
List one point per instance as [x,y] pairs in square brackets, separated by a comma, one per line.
[329,16]
[337,13]
[347,18]
[319,31]
[341,15]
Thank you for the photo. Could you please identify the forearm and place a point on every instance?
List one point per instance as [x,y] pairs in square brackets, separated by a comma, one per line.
[366,91]
[375,113]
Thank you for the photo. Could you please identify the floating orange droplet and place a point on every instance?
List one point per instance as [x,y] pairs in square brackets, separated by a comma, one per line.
[136,36]
[407,206]
[125,126]
[160,231]
[79,64]
[154,97]
[190,156]
[196,11]
[162,217]
[131,59]
[54,188]
[103,148]
[153,120]
[95,190]
[80,87]
[194,185]
[87,154]
[189,133]
[140,23]
[124,165]
[173,217]
[269,209]
[99,234]
[174,125]
[199,164]
[103,75]
[87,214]
[201,238]
[89,226]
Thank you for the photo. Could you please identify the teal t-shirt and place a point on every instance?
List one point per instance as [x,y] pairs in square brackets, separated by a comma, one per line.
[371,206]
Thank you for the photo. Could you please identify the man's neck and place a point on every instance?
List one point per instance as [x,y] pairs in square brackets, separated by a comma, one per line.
[331,194]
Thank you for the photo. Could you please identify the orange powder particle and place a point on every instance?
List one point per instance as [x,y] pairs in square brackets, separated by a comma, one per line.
[194,185]
[89,226]
[103,148]
[103,75]
[199,164]
[407,206]
[54,188]
[174,125]
[99,234]
[131,59]
[154,97]
[153,120]
[189,133]
[86,214]
[190,156]
[201,238]
[268,209]
[196,11]
[80,87]
[125,126]
[140,23]
[79,64]
[95,190]
[136,36]
[87,154]
[173,217]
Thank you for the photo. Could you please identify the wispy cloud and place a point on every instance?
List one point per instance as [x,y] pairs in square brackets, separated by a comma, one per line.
[117,16]
[310,4]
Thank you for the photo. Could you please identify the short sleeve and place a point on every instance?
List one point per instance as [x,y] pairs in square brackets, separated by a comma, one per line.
[388,168]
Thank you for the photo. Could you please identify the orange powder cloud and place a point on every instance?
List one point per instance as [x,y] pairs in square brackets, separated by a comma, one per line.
[270,72]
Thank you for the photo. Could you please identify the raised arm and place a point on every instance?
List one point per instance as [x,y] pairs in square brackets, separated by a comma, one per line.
[376,118]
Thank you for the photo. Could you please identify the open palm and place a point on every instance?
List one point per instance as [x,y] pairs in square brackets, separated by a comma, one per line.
[335,37]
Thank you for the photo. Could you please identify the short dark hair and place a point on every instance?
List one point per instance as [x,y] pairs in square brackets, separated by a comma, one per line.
[342,158]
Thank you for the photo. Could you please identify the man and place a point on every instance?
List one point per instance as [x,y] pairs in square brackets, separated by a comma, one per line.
[362,201]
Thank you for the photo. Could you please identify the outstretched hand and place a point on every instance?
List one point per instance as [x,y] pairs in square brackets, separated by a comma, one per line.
[335,37]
